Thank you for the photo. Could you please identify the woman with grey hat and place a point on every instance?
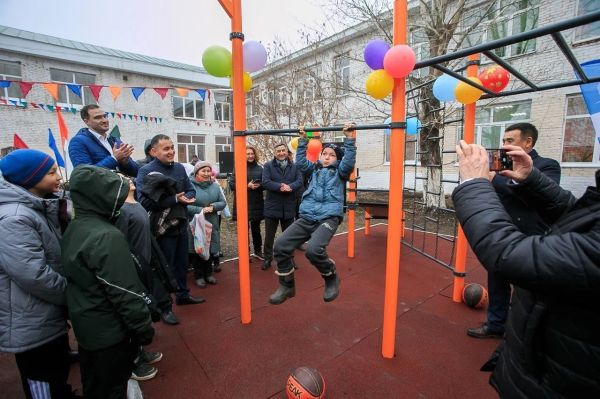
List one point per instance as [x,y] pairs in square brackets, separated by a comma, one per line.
[210,200]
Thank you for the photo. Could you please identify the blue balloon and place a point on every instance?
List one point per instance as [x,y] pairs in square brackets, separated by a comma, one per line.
[386,122]
[443,88]
[412,125]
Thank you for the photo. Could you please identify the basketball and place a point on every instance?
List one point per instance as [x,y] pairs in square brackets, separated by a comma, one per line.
[305,383]
[475,296]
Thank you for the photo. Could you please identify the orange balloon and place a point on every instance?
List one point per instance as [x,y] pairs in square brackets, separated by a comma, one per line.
[313,150]
[466,94]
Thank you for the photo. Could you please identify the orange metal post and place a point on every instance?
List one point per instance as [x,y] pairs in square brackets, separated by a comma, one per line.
[392,269]
[461,241]
[351,214]
[233,8]
[367,221]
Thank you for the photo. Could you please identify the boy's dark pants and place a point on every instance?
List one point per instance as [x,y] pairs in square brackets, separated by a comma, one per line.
[270,230]
[318,235]
[105,372]
[174,245]
[46,368]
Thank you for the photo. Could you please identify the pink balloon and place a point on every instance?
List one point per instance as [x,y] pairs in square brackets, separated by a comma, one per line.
[399,61]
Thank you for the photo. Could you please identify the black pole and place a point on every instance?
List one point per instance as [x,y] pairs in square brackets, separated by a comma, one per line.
[463,78]
[545,87]
[335,128]
[564,47]
[492,56]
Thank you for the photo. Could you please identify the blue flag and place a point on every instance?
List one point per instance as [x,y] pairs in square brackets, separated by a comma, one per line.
[201,92]
[59,159]
[75,89]
[591,94]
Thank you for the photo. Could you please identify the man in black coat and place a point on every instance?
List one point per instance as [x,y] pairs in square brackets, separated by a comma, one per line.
[552,344]
[281,179]
[524,216]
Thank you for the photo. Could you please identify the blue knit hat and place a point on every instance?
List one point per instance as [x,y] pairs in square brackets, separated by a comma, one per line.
[339,151]
[25,168]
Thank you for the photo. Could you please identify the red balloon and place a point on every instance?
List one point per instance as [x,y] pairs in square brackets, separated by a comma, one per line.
[313,150]
[399,61]
[494,78]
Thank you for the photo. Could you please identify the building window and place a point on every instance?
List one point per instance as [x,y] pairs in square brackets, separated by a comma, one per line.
[579,137]
[222,107]
[222,144]
[341,67]
[410,148]
[189,145]
[189,107]
[589,31]
[65,95]
[10,71]
[490,122]
[419,42]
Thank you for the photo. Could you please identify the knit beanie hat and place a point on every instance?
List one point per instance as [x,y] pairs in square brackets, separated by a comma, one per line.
[201,164]
[25,168]
[339,151]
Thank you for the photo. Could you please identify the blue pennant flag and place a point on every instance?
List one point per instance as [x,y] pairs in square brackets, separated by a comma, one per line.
[591,95]
[137,91]
[75,89]
[201,92]
[4,83]
[52,144]
[13,102]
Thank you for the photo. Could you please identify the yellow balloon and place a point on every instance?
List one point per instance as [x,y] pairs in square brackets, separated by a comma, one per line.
[379,84]
[294,144]
[247,82]
[466,94]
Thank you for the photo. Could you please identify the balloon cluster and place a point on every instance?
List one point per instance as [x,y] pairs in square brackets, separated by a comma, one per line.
[218,62]
[448,88]
[388,63]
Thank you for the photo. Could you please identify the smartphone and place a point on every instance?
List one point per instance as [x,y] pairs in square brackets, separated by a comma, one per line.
[499,160]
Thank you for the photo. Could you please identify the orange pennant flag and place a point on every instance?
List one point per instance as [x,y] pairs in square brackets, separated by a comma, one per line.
[115,90]
[52,89]
[62,127]
[182,92]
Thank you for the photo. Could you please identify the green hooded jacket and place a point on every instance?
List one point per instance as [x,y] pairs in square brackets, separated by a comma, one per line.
[106,300]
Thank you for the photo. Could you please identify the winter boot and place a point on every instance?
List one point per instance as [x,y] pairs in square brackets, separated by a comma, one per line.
[286,289]
[332,287]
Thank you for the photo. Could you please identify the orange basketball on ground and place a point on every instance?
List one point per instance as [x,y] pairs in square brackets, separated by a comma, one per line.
[475,296]
[305,383]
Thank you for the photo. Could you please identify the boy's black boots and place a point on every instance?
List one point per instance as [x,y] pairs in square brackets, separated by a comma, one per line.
[332,287]
[286,289]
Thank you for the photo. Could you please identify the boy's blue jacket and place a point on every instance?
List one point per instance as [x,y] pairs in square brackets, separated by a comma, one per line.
[324,197]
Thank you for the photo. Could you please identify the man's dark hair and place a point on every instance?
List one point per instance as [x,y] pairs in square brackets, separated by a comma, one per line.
[526,129]
[158,138]
[85,114]
[280,145]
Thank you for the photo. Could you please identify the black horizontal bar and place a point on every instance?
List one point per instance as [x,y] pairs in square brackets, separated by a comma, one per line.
[545,87]
[564,47]
[463,78]
[492,56]
[506,41]
[335,128]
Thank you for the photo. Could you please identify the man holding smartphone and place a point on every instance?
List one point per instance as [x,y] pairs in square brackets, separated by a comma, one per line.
[524,216]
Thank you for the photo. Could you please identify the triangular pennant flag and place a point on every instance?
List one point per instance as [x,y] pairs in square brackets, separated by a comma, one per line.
[130,116]
[160,120]
[57,108]
[135,116]
[4,83]
[18,142]
[162,91]
[119,115]
[42,106]
[197,123]
[151,119]
[137,91]
[3,101]
[181,91]
[50,107]
[52,144]
[13,102]
[75,89]
[25,88]
[115,90]
[112,114]
[209,91]
[201,92]
[95,89]
[24,103]
[62,128]
[52,88]
[74,110]
[34,105]
[115,132]
[145,119]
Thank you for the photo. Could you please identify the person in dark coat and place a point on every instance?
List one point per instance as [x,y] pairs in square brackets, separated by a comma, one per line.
[149,158]
[551,349]
[525,217]
[281,179]
[256,202]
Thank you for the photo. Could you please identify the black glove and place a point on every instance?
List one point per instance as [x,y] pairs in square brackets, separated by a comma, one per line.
[143,338]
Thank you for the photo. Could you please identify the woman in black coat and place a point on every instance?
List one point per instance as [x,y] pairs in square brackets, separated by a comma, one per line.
[256,203]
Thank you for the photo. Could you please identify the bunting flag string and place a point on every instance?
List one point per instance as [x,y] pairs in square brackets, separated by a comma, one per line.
[53,87]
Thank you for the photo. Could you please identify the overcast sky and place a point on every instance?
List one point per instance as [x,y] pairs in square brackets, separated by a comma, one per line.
[177,30]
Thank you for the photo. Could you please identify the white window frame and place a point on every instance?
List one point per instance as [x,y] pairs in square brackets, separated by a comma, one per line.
[504,124]
[222,110]
[84,94]
[386,153]
[191,145]
[4,90]
[194,100]
[577,31]
[339,71]
[596,153]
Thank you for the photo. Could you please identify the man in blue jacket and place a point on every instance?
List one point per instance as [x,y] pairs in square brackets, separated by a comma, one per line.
[321,211]
[92,145]
[525,217]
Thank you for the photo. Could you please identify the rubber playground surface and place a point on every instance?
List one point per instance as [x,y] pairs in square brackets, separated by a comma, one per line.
[212,355]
